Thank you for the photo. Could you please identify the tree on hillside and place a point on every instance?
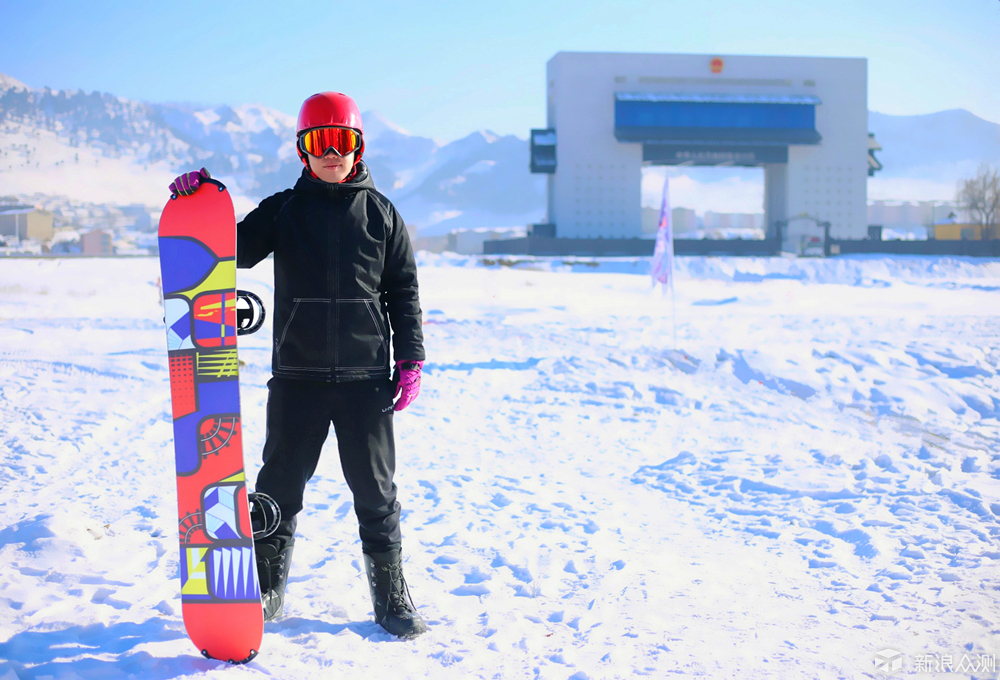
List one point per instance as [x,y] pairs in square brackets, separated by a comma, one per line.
[980,198]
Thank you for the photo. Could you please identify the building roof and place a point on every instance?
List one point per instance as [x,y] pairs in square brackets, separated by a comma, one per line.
[706,98]
[16,210]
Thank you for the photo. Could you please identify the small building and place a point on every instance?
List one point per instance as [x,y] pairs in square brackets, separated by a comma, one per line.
[682,220]
[25,222]
[910,214]
[97,242]
[964,232]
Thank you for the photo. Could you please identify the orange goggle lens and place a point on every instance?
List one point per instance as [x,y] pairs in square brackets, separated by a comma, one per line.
[318,141]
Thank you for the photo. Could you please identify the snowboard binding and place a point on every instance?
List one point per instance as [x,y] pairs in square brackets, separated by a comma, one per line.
[265,515]
[249,318]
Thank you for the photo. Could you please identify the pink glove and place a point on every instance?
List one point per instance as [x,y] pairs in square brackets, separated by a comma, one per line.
[409,383]
[186,184]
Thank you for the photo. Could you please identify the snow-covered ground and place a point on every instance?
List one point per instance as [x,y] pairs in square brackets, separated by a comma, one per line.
[811,478]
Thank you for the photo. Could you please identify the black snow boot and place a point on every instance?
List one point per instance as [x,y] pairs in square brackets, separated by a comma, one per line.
[274,557]
[391,600]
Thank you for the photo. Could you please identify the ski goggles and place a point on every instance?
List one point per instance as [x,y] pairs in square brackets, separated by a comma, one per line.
[318,141]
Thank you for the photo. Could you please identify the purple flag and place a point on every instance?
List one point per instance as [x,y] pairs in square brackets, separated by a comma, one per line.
[662,269]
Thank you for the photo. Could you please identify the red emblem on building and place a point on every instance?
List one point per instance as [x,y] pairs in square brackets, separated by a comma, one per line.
[716,65]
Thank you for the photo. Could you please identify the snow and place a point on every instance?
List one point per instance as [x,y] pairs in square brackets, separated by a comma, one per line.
[66,235]
[442,215]
[258,118]
[8,83]
[39,159]
[479,166]
[808,480]
[207,118]
[717,98]
[81,173]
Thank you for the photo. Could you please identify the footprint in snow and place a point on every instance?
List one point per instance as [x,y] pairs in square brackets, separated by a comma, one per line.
[500,500]
[477,575]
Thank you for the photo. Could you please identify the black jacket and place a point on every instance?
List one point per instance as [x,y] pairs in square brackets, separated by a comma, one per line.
[343,266]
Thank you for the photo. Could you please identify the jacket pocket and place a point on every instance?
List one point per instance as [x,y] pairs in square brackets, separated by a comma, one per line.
[304,343]
[361,341]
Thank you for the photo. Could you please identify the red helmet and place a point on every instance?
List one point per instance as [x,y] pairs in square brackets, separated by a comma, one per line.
[330,108]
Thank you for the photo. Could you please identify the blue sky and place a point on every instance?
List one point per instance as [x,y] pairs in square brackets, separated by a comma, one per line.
[445,69]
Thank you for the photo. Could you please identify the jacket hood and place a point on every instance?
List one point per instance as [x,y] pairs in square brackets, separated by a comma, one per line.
[361,180]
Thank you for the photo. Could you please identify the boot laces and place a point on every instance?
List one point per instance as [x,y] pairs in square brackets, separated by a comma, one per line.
[399,592]
[273,568]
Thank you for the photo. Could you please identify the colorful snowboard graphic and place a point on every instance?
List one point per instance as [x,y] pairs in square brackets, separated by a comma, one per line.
[220,597]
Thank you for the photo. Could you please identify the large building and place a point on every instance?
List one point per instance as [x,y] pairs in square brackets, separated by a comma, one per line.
[804,120]
[19,222]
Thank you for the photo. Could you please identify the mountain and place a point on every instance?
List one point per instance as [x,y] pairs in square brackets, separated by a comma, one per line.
[933,145]
[99,148]
[925,156]
[95,147]
[481,180]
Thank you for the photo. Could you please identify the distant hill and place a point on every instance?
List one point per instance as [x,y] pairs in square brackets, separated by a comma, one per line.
[940,146]
[481,180]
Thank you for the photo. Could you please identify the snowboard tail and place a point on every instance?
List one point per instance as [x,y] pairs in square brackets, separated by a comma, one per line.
[220,595]
[201,622]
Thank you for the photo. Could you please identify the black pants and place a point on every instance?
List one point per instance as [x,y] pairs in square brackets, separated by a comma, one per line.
[299,413]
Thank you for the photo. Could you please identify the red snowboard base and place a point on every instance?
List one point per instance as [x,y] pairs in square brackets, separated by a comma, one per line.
[221,627]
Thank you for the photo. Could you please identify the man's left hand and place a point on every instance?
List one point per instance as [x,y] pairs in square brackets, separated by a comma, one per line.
[408,387]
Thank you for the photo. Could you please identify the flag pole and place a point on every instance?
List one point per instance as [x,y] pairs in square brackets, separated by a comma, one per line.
[673,310]
[662,266]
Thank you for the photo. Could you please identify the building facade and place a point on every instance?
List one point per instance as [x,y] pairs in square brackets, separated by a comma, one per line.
[96,242]
[25,222]
[804,120]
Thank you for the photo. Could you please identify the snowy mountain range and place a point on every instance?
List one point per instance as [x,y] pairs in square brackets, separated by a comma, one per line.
[99,148]
[925,156]
[96,147]
[935,145]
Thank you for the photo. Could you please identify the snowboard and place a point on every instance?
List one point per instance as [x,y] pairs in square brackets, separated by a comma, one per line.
[220,595]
